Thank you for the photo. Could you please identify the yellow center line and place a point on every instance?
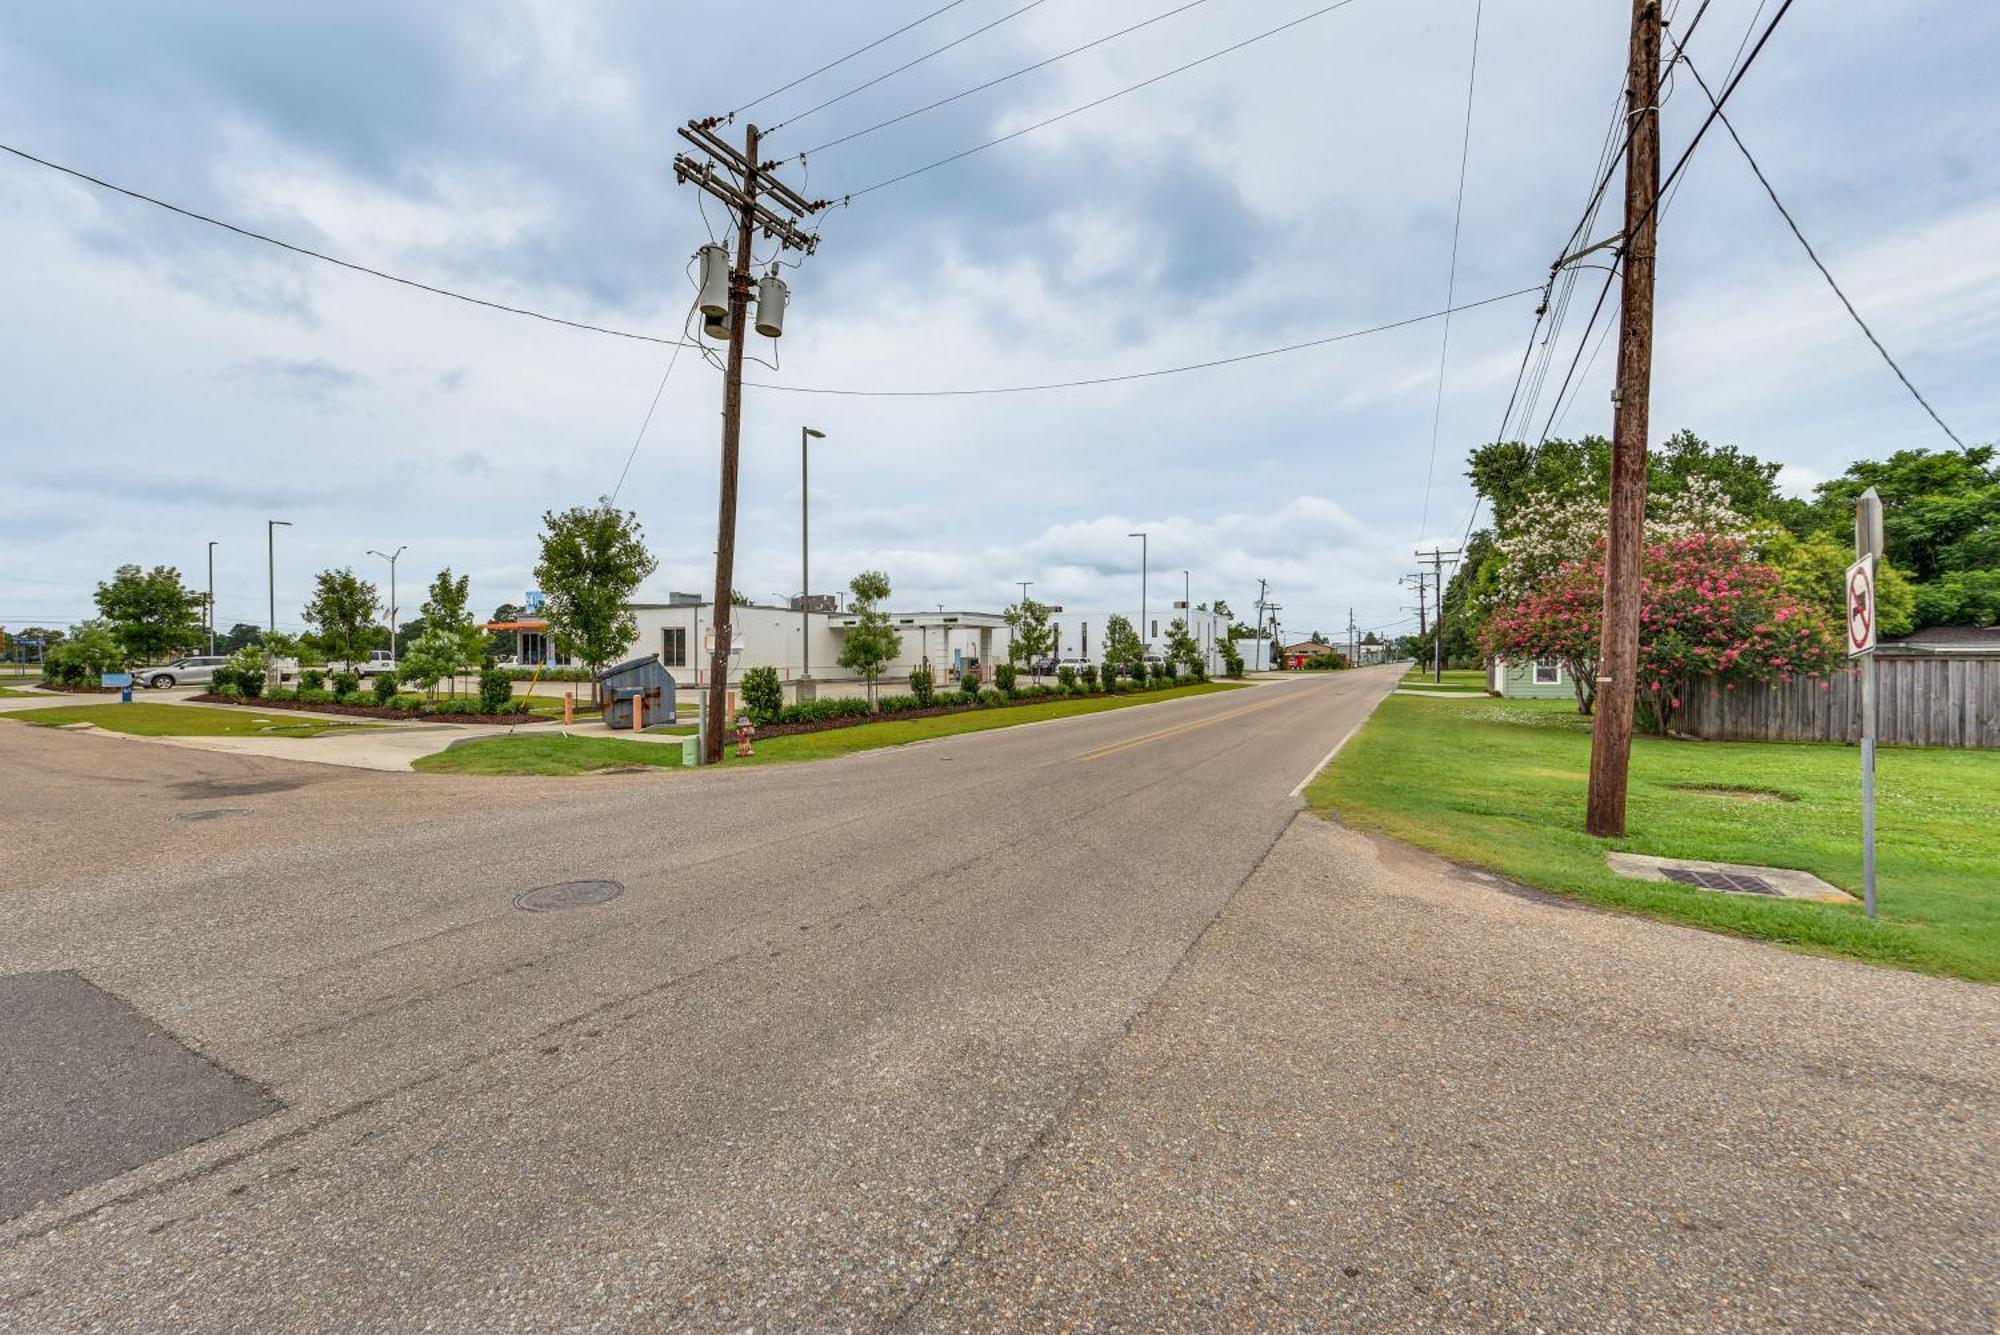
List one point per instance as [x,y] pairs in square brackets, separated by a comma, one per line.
[1162,734]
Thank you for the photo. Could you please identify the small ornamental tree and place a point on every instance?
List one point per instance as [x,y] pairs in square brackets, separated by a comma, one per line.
[448,615]
[1034,634]
[1122,650]
[872,643]
[763,694]
[593,560]
[1707,610]
[151,612]
[343,607]
[1182,650]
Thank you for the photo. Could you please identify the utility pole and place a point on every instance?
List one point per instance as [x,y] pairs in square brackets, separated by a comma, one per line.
[1258,643]
[271,527]
[1436,556]
[211,599]
[806,435]
[739,180]
[1423,609]
[1618,662]
[1350,637]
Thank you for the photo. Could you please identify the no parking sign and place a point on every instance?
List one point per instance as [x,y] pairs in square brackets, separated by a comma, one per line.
[1861,607]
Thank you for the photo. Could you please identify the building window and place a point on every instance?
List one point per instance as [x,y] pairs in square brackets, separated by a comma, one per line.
[1548,672]
[1084,629]
[1154,634]
[674,646]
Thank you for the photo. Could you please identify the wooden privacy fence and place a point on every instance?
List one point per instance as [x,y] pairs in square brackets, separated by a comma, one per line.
[1921,699]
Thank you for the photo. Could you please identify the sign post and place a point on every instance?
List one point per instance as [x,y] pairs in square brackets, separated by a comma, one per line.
[1861,637]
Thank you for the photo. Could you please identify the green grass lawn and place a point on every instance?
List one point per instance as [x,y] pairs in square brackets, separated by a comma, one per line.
[543,754]
[1470,680]
[144,720]
[868,736]
[548,753]
[1500,784]
[8,693]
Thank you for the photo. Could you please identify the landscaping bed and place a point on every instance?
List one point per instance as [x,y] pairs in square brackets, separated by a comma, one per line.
[372,711]
[79,688]
[966,707]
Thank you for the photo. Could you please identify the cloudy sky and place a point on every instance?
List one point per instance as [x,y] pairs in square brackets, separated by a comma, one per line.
[168,383]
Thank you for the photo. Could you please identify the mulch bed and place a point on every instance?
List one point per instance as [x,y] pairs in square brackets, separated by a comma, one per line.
[369,711]
[79,690]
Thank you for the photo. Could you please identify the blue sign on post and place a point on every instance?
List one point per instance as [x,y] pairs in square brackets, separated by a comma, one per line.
[122,680]
[533,602]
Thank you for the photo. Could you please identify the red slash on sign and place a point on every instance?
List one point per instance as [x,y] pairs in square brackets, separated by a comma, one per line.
[1860,607]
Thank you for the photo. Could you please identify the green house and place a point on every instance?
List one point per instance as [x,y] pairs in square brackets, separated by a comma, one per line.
[1530,679]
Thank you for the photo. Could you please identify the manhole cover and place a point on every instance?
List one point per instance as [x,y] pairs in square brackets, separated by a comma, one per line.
[213,813]
[1721,880]
[568,895]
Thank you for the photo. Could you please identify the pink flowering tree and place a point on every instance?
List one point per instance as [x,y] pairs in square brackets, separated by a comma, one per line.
[1707,611]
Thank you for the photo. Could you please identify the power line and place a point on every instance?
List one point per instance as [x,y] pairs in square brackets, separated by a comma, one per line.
[1819,264]
[1146,375]
[1005,78]
[329,259]
[860,50]
[651,408]
[1088,106]
[908,64]
[1451,279]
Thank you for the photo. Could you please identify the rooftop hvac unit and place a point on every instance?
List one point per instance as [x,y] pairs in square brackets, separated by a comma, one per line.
[714,298]
[772,295]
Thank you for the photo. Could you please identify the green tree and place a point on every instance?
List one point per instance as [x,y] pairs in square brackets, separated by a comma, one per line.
[342,608]
[1122,649]
[872,643]
[151,613]
[1813,569]
[1222,609]
[427,660]
[1940,510]
[240,636]
[448,615]
[1034,633]
[505,643]
[593,560]
[89,650]
[1182,648]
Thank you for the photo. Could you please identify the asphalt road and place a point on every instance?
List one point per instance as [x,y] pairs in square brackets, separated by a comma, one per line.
[1075,1025]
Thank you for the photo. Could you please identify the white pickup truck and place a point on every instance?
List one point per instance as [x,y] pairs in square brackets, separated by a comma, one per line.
[375,664]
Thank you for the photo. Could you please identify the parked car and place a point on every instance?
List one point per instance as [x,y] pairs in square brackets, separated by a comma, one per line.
[1043,667]
[377,662]
[180,672]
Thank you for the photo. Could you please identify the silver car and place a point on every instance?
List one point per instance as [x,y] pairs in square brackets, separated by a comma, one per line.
[180,672]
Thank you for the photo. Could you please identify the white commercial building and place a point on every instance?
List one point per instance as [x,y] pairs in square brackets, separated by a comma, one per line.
[809,643]
[1080,635]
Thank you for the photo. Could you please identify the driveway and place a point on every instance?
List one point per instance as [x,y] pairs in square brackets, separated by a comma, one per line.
[1072,1025]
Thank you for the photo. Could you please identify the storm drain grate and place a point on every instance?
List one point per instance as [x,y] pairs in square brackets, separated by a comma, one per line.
[214,813]
[568,895]
[1720,880]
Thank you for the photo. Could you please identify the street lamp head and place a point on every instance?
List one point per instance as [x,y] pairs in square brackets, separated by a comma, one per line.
[279,523]
[815,433]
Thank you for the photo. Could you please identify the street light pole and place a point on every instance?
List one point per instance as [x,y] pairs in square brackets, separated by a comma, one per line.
[211,598]
[806,434]
[393,608]
[271,527]
[1145,644]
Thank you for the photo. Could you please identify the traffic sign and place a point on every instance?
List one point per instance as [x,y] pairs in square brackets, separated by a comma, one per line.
[1861,607]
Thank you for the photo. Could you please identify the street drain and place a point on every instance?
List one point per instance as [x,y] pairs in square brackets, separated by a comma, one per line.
[214,813]
[1735,882]
[568,895]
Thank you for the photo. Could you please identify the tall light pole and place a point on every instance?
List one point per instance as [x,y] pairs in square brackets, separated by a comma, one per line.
[806,434]
[390,557]
[211,598]
[271,527]
[1145,645]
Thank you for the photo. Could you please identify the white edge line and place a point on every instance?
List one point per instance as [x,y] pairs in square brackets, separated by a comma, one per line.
[1328,758]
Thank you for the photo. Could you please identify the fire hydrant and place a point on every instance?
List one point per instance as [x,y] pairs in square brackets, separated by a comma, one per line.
[745,730]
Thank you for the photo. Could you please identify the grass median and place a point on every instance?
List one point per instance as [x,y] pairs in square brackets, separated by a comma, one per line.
[149,720]
[1500,784]
[554,755]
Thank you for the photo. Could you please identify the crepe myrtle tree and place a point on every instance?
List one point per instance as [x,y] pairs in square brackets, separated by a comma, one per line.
[872,643]
[1122,650]
[1708,610]
[1034,634]
[593,560]
[1182,648]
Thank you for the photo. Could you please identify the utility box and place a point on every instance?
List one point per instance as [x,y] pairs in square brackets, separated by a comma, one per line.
[642,679]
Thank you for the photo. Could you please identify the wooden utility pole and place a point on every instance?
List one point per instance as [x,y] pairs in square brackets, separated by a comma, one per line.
[738,180]
[1437,556]
[1618,657]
